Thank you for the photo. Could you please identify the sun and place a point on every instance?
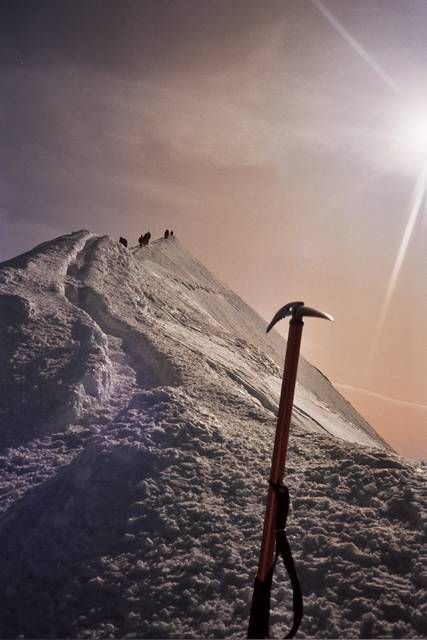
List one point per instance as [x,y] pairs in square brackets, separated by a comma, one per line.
[413,134]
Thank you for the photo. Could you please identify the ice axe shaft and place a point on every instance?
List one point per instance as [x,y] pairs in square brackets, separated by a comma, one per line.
[280,445]
[260,608]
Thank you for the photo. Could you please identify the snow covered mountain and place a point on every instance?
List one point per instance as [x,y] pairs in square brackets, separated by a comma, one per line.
[136,426]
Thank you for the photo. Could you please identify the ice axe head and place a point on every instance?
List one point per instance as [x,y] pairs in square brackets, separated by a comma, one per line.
[297,310]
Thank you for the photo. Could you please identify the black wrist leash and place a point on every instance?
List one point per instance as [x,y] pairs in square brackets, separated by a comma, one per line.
[260,611]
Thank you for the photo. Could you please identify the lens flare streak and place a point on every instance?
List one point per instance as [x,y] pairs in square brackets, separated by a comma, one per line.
[415,208]
[355,45]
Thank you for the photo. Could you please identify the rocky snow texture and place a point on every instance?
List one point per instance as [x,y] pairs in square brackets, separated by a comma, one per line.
[138,400]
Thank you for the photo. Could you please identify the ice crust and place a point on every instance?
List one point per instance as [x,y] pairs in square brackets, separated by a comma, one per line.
[137,419]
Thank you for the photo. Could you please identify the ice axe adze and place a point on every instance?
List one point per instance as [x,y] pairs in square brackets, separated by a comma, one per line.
[274,536]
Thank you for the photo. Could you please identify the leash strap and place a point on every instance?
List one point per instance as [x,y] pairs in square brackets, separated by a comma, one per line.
[260,611]
[283,549]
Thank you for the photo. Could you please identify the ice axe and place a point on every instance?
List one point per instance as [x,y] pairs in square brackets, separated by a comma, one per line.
[274,535]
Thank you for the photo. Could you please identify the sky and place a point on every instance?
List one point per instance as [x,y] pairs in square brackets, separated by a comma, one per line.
[285,142]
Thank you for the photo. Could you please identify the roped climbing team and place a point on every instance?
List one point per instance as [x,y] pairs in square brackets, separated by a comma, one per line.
[145,239]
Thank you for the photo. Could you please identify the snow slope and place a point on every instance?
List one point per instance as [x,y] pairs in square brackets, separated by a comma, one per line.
[136,429]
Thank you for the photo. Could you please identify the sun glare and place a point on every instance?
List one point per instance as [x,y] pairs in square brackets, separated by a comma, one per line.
[413,134]
[417,135]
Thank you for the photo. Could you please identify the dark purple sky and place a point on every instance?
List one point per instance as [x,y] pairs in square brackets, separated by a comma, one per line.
[284,141]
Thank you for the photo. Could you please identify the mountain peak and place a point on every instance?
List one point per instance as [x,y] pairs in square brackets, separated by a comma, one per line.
[136,427]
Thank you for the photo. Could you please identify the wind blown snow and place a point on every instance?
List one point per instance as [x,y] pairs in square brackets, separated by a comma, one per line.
[137,419]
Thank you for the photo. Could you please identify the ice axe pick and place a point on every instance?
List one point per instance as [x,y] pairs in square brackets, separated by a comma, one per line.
[274,536]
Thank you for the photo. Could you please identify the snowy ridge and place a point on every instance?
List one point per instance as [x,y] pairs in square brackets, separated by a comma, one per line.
[316,398]
[54,360]
[136,430]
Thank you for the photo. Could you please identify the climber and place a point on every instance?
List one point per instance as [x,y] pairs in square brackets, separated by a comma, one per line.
[145,239]
[166,233]
[123,241]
